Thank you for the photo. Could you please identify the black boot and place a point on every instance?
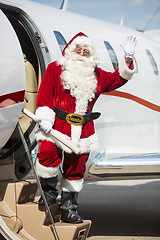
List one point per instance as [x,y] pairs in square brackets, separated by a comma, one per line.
[69,208]
[49,189]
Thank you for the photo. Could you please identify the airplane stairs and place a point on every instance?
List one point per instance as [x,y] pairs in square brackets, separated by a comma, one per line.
[22,218]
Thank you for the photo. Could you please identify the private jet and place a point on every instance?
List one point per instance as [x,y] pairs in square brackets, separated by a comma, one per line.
[32,36]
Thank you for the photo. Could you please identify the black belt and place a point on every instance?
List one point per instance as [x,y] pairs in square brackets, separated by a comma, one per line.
[74,118]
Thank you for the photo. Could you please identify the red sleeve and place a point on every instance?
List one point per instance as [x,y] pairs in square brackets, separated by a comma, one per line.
[46,90]
[109,81]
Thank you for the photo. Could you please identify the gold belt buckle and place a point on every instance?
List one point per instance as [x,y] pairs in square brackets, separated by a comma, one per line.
[75,119]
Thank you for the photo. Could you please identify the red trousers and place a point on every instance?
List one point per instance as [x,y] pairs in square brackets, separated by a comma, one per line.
[74,165]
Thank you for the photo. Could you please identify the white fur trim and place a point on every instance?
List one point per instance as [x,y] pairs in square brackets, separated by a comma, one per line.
[45,113]
[41,136]
[85,144]
[76,134]
[46,172]
[71,185]
[124,71]
[88,144]
[82,41]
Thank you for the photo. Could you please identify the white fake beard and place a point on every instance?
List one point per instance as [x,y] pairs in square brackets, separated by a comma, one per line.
[78,77]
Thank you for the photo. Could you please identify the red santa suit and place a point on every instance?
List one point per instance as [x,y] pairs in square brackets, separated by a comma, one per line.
[59,89]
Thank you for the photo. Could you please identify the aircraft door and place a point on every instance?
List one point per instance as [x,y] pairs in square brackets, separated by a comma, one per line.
[12,79]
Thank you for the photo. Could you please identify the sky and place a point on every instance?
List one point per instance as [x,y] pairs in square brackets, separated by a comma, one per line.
[137,14]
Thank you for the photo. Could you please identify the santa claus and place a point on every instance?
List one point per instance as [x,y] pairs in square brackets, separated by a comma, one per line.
[67,94]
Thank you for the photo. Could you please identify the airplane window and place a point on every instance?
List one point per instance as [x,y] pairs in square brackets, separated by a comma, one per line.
[152,61]
[60,39]
[112,55]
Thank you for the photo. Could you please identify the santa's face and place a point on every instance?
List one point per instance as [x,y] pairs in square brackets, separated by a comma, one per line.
[82,50]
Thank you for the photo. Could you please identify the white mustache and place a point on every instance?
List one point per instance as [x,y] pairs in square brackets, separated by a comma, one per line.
[81,58]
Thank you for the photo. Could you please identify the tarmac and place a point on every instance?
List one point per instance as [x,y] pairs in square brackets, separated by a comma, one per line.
[122,210]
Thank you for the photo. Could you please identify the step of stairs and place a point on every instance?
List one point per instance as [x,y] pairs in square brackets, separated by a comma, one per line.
[28,220]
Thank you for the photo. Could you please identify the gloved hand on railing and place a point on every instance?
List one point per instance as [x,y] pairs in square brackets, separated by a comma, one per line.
[46,126]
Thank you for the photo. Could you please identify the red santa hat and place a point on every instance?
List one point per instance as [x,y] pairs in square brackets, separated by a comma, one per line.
[80,39]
